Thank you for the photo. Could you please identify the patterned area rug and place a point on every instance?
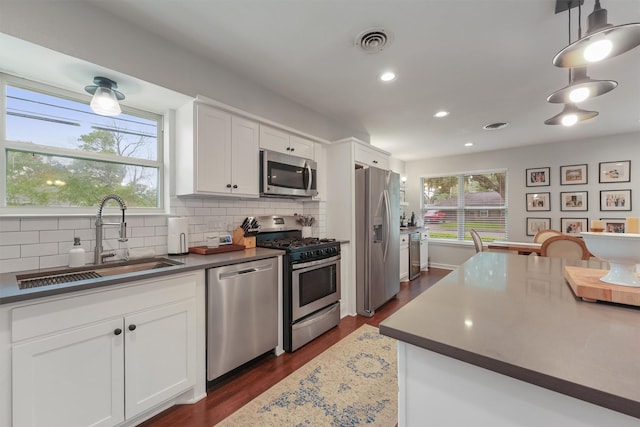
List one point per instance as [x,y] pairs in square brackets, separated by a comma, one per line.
[354,382]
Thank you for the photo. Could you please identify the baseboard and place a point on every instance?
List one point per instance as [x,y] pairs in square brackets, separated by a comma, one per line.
[443,266]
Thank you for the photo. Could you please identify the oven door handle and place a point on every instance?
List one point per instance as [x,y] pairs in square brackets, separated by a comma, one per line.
[315,263]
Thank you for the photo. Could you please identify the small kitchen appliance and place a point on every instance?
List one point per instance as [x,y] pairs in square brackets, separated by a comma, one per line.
[284,175]
[311,279]
[178,239]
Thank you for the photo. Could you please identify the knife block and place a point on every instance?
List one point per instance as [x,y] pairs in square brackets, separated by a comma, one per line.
[239,238]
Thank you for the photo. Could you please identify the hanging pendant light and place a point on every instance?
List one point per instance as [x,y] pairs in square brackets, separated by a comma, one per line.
[581,87]
[571,115]
[601,41]
[105,97]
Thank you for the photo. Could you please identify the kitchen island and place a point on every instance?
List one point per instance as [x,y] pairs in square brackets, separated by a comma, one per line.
[503,341]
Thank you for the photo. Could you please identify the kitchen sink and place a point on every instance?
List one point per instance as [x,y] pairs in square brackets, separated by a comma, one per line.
[67,275]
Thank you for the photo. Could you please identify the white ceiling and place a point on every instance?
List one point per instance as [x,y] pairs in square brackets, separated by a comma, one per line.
[483,60]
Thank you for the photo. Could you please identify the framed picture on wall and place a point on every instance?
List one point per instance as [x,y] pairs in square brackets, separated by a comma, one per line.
[538,177]
[538,202]
[536,224]
[573,174]
[574,201]
[615,200]
[573,226]
[614,225]
[615,171]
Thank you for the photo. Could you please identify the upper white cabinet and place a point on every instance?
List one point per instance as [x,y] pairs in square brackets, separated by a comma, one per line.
[285,142]
[217,153]
[370,156]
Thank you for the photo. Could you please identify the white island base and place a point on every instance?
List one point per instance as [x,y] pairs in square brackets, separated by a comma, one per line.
[438,390]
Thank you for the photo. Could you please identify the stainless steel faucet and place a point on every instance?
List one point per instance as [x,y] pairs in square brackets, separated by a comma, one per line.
[100,255]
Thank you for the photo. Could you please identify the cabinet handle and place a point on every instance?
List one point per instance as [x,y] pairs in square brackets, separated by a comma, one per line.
[228,185]
[235,186]
[293,149]
[288,148]
[375,161]
[132,327]
[117,331]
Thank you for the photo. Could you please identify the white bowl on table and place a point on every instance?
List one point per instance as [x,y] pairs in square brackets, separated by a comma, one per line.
[621,251]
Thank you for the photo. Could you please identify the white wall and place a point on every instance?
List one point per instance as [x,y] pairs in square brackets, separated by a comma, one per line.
[589,151]
[82,30]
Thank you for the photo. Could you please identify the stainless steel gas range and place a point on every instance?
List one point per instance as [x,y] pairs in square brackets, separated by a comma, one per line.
[311,279]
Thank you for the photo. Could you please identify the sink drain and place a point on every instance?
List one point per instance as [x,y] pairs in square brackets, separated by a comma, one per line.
[57,279]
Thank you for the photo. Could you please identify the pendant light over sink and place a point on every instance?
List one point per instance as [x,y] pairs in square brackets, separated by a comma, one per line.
[105,97]
[601,41]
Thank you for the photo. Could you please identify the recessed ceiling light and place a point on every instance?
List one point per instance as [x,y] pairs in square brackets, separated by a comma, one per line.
[388,76]
[441,114]
[468,144]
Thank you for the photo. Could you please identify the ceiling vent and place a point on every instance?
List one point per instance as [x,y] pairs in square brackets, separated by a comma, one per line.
[495,126]
[373,40]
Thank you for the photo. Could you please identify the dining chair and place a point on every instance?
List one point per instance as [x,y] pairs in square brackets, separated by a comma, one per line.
[543,235]
[477,240]
[567,247]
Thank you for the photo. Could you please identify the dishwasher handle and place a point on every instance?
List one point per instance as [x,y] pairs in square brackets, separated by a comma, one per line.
[237,273]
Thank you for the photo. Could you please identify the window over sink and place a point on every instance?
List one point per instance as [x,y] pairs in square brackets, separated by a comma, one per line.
[454,204]
[57,156]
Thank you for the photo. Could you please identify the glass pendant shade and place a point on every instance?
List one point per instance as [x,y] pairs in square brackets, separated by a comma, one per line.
[105,97]
[602,41]
[104,102]
[571,115]
[581,87]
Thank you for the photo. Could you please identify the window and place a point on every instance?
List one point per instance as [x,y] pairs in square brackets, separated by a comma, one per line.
[58,156]
[451,205]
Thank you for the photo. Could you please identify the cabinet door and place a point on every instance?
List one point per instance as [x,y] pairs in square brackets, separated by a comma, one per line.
[70,379]
[274,139]
[160,354]
[245,152]
[212,155]
[301,147]
[424,252]
[370,157]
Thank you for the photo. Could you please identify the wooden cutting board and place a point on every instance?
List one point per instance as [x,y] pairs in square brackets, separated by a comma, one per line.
[205,250]
[586,284]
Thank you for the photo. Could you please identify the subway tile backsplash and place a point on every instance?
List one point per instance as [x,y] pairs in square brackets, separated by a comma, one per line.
[34,242]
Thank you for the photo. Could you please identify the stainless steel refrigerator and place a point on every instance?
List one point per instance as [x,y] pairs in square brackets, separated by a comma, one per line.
[377,238]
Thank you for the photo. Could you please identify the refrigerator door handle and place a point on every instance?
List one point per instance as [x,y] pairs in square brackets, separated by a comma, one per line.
[387,225]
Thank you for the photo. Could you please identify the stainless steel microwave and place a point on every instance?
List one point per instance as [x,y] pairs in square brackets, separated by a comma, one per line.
[284,175]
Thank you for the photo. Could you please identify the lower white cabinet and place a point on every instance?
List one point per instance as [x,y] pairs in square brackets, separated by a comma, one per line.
[424,250]
[124,356]
[404,257]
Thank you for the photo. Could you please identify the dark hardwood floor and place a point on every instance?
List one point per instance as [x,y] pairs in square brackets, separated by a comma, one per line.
[230,394]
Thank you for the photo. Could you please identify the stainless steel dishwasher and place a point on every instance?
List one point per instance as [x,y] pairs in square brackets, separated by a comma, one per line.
[242,314]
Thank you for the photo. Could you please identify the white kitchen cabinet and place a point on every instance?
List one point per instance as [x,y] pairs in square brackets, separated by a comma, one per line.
[424,250]
[370,156]
[75,378]
[105,357]
[285,142]
[404,257]
[217,153]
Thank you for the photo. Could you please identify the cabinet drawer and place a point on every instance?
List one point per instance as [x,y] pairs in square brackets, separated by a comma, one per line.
[69,312]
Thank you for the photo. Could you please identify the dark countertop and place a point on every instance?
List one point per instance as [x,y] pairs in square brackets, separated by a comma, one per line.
[409,230]
[10,292]
[517,316]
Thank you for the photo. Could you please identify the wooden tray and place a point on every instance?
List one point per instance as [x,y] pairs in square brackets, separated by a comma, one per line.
[586,284]
[205,250]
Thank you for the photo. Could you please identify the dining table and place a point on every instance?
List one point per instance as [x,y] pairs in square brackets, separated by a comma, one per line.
[523,248]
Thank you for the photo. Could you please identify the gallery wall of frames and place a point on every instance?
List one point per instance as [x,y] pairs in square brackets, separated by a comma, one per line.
[577,204]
